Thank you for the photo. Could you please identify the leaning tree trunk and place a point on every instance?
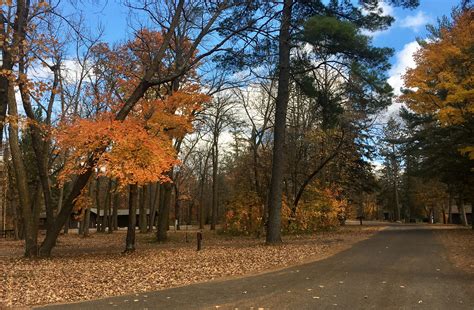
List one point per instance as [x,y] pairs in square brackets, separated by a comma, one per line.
[132,219]
[275,196]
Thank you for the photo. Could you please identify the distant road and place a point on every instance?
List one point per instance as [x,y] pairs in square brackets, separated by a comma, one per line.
[401,267]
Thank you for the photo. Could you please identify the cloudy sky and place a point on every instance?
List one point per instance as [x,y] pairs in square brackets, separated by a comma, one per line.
[401,36]
[409,25]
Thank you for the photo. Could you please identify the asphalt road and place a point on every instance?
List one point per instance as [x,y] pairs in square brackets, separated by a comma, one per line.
[402,267]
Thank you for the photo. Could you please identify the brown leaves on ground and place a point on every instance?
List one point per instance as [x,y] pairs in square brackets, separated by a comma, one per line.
[93,267]
[459,244]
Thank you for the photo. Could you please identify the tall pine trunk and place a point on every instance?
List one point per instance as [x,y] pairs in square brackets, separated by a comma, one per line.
[275,196]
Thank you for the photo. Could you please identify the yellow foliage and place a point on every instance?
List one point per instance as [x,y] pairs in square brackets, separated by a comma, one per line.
[442,83]
[244,216]
[469,150]
[324,209]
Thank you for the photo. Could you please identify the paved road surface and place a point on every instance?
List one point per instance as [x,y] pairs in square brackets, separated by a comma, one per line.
[402,267]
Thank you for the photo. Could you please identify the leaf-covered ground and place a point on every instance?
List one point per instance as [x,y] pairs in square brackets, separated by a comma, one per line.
[460,247]
[93,267]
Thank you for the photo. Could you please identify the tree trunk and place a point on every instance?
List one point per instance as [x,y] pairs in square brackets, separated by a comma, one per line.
[215,167]
[154,203]
[275,196]
[53,232]
[462,210]
[109,207]
[202,213]
[87,221]
[107,203]
[450,208]
[98,204]
[143,207]
[163,218]
[177,211]
[81,225]
[202,209]
[115,211]
[31,246]
[61,205]
[132,219]
[397,202]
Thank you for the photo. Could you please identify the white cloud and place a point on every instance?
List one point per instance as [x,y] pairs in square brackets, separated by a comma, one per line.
[71,69]
[415,22]
[404,60]
[387,9]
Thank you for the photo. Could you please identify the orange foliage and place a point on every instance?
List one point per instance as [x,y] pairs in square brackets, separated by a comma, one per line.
[81,203]
[133,154]
[138,150]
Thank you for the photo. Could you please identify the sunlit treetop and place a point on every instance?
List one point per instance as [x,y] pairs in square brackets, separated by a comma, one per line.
[442,83]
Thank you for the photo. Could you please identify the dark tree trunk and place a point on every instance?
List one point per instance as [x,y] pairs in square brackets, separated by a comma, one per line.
[53,232]
[132,219]
[177,213]
[450,208]
[163,218]
[87,221]
[215,166]
[31,246]
[154,203]
[98,204]
[275,196]
[143,208]
[202,209]
[110,203]
[115,211]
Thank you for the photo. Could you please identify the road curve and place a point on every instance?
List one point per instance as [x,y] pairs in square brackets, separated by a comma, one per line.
[402,267]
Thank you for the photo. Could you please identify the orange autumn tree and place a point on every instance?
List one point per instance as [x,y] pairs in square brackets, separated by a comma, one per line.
[442,83]
[139,149]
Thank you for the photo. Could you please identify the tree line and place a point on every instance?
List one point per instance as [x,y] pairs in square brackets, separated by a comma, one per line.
[296,85]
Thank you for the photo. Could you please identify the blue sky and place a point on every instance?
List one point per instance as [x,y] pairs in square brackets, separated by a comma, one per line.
[401,36]
[408,25]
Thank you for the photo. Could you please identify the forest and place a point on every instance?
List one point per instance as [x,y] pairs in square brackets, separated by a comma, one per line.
[244,117]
